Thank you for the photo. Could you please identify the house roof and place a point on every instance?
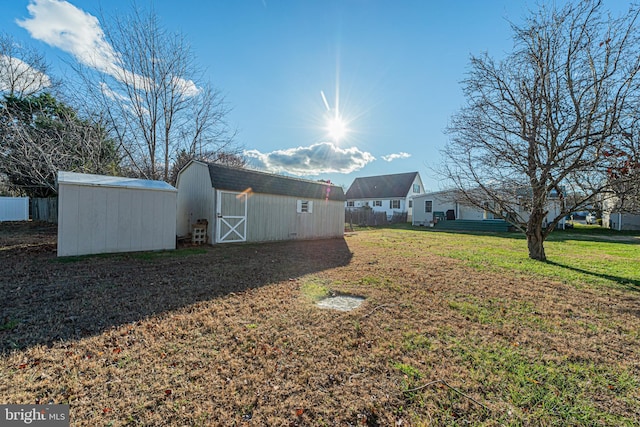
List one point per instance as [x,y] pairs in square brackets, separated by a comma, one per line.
[381,186]
[86,179]
[238,179]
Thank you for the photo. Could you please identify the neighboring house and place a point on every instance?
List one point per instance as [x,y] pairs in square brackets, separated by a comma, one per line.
[442,205]
[431,208]
[618,219]
[103,214]
[385,193]
[242,205]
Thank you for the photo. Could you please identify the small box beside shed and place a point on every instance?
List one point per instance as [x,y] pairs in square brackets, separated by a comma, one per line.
[105,214]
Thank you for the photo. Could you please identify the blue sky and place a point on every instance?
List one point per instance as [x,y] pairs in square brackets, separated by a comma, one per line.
[393,67]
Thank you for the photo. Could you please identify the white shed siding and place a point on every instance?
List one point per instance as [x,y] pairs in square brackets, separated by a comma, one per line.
[114,218]
[196,199]
[14,208]
[274,217]
[270,216]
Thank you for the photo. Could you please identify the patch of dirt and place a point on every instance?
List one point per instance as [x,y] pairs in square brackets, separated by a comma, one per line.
[225,337]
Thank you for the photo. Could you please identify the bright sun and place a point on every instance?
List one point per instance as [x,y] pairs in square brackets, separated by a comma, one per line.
[337,128]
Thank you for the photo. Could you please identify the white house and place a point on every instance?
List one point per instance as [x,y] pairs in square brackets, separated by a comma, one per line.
[242,205]
[103,214]
[385,193]
[431,208]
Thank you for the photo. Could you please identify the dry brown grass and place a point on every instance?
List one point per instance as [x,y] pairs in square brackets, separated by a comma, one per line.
[230,336]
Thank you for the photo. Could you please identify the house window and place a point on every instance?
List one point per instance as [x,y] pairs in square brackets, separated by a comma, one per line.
[416,188]
[428,206]
[410,203]
[377,203]
[350,204]
[304,206]
[394,204]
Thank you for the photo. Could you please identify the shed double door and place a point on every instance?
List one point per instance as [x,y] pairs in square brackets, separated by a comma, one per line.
[231,222]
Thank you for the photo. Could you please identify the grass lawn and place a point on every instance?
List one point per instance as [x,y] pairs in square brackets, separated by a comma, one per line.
[457,329]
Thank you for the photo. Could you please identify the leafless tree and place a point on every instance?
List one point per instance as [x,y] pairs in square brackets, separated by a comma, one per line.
[40,136]
[23,70]
[540,122]
[154,97]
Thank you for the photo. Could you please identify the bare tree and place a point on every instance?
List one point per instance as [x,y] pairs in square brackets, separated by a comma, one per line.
[23,70]
[540,122]
[154,97]
[40,136]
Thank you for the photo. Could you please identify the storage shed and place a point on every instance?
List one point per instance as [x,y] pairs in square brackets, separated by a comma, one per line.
[241,205]
[103,214]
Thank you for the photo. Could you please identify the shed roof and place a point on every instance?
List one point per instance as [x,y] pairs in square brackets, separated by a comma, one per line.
[112,181]
[381,186]
[238,179]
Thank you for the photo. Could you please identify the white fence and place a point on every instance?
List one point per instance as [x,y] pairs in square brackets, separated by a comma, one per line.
[14,208]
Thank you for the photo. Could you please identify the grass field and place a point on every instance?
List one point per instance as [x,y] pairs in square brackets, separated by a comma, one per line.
[457,329]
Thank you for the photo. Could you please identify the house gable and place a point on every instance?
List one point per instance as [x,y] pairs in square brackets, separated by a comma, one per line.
[382,186]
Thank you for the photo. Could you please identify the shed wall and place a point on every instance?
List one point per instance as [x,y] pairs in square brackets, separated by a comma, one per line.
[195,199]
[14,208]
[272,217]
[94,219]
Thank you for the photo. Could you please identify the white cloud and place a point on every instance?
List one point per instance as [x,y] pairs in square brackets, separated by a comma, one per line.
[20,77]
[187,87]
[315,159]
[62,25]
[394,156]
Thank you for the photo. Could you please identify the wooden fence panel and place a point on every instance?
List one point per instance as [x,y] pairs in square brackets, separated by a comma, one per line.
[365,217]
[44,209]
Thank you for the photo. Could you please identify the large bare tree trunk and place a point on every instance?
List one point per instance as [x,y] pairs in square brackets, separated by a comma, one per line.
[535,236]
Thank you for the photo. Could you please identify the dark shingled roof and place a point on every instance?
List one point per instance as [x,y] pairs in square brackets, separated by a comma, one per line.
[238,179]
[381,186]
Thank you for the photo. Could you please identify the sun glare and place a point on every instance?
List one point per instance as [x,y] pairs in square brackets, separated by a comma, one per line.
[337,128]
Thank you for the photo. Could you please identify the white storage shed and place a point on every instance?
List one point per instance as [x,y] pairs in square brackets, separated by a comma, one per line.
[241,205]
[104,214]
